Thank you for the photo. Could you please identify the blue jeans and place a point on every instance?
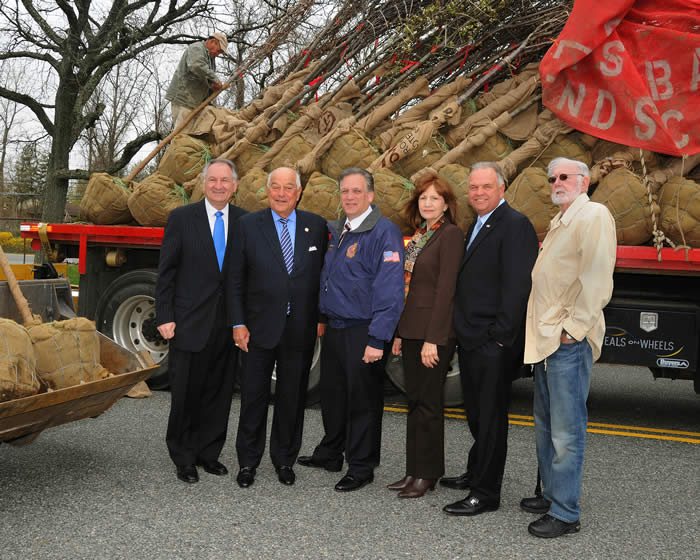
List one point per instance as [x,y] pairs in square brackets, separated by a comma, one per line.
[561,418]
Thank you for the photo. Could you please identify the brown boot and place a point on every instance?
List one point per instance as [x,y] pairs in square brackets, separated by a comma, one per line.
[401,484]
[418,488]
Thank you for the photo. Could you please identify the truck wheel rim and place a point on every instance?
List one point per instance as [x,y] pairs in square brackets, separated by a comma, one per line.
[134,327]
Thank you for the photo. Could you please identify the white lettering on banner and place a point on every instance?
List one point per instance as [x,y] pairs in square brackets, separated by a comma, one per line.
[613,58]
[611,25]
[677,116]
[573,104]
[663,80]
[604,96]
[561,45]
[696,71]
[644,119]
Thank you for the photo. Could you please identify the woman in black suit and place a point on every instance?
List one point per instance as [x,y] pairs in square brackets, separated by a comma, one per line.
[425,337]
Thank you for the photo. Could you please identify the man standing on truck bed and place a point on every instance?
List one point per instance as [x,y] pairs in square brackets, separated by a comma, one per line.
[571,284]
[194,78]
[362,294]
[191,314]
[273,302]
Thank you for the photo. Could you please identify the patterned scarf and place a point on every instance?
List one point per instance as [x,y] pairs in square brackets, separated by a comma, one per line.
[414,247]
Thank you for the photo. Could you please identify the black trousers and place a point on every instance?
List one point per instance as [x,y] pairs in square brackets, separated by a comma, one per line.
[352,402]
[425,425]
[201,388]
[292,374]
[486,374]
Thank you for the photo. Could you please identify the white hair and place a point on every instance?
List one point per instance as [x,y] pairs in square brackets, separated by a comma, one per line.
[296,174]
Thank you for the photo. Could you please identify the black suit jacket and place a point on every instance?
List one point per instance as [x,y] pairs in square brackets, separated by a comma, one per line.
[494,281]
[260,286]
[189,280]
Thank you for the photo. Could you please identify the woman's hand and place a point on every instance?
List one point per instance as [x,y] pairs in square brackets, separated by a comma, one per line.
[396,346]
[429,354]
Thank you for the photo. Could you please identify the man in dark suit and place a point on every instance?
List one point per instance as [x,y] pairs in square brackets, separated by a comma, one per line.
[489,317]
[274,308]
[190,312]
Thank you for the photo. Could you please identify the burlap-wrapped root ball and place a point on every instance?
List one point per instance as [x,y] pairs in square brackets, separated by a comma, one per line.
[531,194]
[564,145]
[423,157]
[105,200]
[252,194]
[349,150]
[293,151]
[321,196]
[184,158]
[680,211]
[626,197]
[248,158]
[391,193]
[458,178]
[194,189]
[495,148]
[67,352]
[154,198]
[17,362]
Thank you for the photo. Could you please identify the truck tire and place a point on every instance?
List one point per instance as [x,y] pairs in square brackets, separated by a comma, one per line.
[126,313]
[453,383]
[313,389]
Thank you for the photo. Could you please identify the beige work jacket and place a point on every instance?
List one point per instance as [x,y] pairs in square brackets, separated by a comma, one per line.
[572,280]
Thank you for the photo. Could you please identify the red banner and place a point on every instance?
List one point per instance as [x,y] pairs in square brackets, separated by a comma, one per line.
[629,71]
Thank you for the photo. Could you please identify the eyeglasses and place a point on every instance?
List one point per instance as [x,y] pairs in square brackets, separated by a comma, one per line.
[561,177]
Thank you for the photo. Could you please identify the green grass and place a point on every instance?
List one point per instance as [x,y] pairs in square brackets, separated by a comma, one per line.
[73,274]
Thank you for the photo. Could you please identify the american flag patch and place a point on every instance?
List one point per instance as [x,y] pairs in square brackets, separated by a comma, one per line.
[391,256]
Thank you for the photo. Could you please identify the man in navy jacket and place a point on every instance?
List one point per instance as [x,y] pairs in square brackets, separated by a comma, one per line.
[362,295]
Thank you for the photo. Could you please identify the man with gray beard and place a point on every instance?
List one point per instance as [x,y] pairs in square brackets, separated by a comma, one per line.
[571,284]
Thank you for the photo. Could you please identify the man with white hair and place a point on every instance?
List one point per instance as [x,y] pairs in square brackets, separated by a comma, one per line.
[195,77]
[571,284]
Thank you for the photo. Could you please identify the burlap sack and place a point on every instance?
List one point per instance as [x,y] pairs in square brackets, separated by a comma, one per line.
[495,148]
[531,194]
[248,159]
[321,196]
[391,193]
[680,211]
[194,189]
[564,145]
[154,198]
[349,150]
[17,362]
[432,151]
[184,158]
[67,352]
[626,197]
[292,152]
[105,200]
[252,194]
[458,178]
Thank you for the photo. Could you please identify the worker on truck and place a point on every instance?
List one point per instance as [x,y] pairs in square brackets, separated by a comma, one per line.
[195,76]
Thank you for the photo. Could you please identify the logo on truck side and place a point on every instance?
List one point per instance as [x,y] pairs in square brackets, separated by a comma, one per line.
[666,362]
[648,321]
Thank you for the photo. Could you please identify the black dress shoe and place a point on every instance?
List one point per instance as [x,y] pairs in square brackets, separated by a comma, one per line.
[213,467]
[188,474]
[246,477]
[549,527]
[537,504]
[286,475]
[349,483]
[471,505]
[310,461]
[461,482]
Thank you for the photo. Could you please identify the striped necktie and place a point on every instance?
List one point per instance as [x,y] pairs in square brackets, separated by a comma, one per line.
[342,234]
[287,249]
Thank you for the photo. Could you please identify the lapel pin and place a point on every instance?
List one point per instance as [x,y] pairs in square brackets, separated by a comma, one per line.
[306,230]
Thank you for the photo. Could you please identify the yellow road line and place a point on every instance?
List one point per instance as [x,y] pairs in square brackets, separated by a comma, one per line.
[594,427]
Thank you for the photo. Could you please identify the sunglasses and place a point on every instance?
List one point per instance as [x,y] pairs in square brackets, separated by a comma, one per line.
[562,177]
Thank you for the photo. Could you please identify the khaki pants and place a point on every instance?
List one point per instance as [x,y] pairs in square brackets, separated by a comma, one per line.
[179,114]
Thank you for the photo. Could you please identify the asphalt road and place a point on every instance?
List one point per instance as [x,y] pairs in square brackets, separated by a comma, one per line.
[105,488]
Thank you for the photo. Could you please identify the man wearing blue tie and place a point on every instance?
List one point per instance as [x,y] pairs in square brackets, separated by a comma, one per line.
[191,315]
[273,305]
[493,285]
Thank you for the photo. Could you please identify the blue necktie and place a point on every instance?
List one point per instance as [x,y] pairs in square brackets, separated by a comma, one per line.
[477,227]
[287,252]
[219,238]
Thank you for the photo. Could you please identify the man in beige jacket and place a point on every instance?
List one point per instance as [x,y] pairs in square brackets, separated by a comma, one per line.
[571,284]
